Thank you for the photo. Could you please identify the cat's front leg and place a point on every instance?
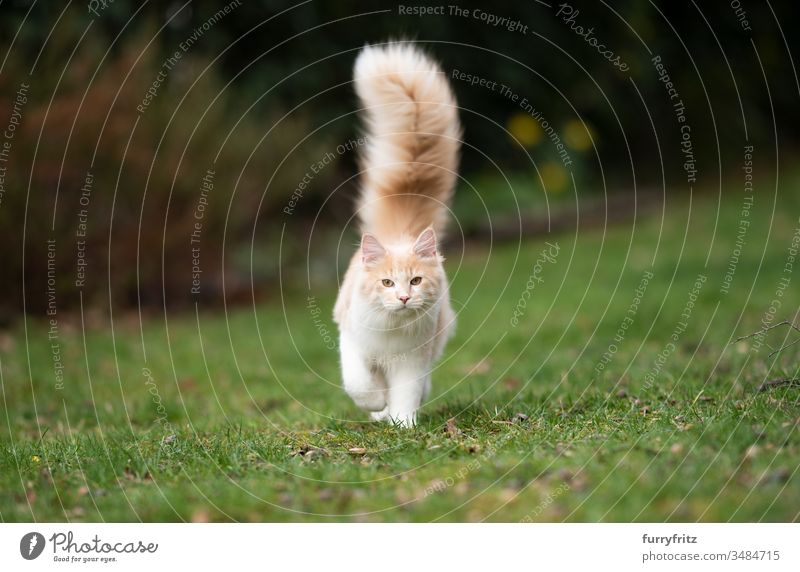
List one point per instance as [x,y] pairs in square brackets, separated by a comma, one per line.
[362,384]
[382,415]
[426,390]
[406,389]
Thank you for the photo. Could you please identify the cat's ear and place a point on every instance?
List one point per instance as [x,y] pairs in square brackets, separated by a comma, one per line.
[371,249]
[425,245]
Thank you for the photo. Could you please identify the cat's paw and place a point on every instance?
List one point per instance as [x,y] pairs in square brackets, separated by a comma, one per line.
[405,421]
[398,420]
[381,415]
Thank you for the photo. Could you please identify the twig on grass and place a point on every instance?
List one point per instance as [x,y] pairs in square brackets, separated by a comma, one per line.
[790,381]
[768,328]
[780,349]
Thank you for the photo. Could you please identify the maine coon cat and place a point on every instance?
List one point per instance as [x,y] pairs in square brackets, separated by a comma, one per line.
[393,309]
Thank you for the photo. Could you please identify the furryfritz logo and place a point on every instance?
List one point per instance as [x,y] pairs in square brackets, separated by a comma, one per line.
[31,545]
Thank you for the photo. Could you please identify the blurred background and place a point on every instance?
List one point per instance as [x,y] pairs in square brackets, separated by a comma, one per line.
[162,154]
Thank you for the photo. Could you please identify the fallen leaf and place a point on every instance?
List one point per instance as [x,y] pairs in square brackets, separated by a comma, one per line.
[188,384]
[461,488]
[563,450]
[313,453]
[201,515]
[403,496]
[780,476]
[507,494]
[308,452]
[480,368]
[452,429]
[435,486]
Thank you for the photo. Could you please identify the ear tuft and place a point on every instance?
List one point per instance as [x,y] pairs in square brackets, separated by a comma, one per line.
[371,249]
[425,245]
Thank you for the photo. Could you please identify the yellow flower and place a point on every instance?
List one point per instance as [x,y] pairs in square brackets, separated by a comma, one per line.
[554,177]
[35,458]
[578,135]
[525,129]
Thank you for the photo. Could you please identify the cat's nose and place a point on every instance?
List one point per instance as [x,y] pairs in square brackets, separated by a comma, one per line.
[404,299]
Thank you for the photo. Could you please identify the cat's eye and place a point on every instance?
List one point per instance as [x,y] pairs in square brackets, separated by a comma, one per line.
[388,283]
[416,280]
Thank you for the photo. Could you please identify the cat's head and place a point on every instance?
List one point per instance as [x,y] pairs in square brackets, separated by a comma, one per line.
[403,278]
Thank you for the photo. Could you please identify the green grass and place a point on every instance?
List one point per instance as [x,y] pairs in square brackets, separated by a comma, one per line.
[255,427]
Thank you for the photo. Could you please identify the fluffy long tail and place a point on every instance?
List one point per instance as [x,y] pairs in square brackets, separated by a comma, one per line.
[413,139]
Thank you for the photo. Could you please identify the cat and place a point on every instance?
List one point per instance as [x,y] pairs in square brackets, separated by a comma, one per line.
[393,309]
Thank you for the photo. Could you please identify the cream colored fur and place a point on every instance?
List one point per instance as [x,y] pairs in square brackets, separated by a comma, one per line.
[393,308]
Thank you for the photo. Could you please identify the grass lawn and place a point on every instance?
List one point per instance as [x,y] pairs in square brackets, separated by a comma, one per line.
[604,397]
